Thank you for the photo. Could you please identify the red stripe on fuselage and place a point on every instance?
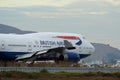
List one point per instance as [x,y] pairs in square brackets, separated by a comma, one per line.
[69,37]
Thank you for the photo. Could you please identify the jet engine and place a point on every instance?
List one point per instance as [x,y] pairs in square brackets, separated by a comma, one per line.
[69,56]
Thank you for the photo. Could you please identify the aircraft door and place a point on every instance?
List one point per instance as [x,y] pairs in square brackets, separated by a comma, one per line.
[80,49]
[2,44]
[29,46]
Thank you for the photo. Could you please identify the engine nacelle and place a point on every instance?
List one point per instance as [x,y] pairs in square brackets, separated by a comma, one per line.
[69,56]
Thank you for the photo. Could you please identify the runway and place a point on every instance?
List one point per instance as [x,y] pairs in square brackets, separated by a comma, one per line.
[60,69]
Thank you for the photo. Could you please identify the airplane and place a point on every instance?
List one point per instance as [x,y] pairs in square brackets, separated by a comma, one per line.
[42,46]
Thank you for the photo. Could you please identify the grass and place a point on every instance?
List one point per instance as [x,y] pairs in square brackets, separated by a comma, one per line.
[45,74]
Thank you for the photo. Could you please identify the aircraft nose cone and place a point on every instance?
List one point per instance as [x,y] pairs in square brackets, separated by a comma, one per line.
[93,48]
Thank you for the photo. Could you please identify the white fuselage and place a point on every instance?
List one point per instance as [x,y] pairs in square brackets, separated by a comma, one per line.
[26,43]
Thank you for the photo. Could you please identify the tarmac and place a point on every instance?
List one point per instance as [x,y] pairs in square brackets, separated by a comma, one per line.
[60,69]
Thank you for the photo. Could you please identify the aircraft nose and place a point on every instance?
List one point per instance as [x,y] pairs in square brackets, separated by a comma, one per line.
[91,47]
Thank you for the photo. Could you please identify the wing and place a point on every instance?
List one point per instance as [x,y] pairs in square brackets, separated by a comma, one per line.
[30,56]
[35,55]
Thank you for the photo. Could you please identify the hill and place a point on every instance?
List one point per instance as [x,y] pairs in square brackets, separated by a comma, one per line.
[8,29]
[104,53]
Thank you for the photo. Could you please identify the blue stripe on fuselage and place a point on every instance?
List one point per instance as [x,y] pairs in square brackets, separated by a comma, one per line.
[84,55]
[10,55]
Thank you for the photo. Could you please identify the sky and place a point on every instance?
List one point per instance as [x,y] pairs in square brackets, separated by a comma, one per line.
[97,20]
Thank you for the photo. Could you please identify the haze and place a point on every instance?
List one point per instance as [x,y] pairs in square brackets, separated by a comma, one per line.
[97,20]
